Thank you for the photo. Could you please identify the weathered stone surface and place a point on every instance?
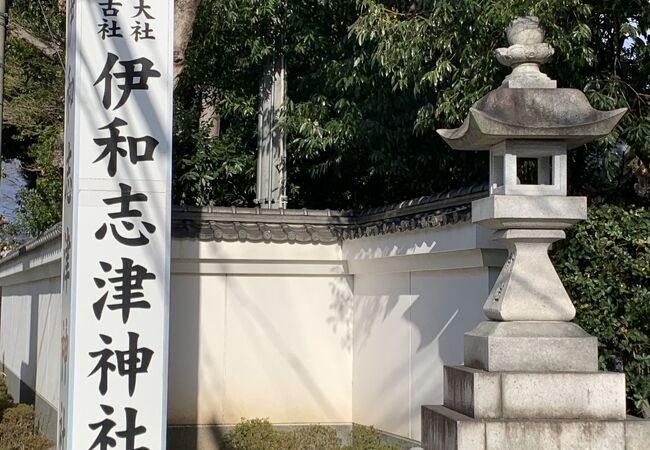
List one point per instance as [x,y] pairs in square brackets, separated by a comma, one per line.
[563,395]
[540,389]
[473,392]
[507,113]
[531,347]
[499,212]
[554,435]
[490,395]
[528,287]
[637,434]
[526,52]
[550,159]
[444,429]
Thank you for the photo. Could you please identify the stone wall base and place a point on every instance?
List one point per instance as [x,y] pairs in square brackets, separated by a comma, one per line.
[445,429]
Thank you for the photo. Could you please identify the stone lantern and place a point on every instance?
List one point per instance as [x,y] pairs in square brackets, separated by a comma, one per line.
[530,378]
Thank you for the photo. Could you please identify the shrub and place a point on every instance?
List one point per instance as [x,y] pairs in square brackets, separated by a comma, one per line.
[605,266]
[6,401]
[255,434]
[316,437]
[17,430]
[259,434]
[367,438]
[17,425]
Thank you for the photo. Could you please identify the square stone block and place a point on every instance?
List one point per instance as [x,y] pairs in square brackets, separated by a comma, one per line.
[637,434]
[473,392]
[444,429]
[563,395]
[531,347]
[499,212]
[554,435]
[491,395]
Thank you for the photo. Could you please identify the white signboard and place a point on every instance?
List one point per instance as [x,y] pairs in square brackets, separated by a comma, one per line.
[116,227]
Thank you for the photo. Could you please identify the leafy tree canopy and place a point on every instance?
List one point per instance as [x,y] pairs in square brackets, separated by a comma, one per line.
[369,82]
[33,110]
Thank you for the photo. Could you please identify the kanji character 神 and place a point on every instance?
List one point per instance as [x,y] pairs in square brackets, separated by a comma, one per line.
[129,363]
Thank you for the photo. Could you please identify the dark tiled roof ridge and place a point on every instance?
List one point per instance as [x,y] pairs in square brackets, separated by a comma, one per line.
[454,194]
[52,233]
[304,225]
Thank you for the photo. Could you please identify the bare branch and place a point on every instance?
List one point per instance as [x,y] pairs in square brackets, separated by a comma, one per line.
[49,49]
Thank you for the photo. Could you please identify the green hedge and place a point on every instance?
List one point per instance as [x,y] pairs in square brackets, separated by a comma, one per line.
[605,265]
[259,434]
[17,431]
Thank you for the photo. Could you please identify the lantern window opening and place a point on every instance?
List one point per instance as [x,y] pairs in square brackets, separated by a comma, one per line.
[528,167]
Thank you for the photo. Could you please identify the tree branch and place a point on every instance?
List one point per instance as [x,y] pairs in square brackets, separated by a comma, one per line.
[49,49]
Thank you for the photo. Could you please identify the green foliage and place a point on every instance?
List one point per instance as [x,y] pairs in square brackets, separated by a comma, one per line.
[17,425]
[39,205]
[43,19]
[347,127]
[605,266]
[367,438]
[259,434]
[17,430]
[370,82]
[443,52]
[256,434]
[33,114]
[215,171]
[316,437]
[6,401]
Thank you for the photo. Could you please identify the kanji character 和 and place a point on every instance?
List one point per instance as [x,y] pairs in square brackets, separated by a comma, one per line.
[113,150]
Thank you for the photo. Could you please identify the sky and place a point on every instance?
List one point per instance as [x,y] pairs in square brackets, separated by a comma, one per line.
[10,184]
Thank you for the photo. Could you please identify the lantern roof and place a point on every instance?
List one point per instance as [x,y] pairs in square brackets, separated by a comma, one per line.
[528,106]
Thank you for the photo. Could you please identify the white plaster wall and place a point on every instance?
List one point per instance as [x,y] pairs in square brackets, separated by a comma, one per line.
[30,335]
[414,298]
[48,361]
[292,332]
[264,331]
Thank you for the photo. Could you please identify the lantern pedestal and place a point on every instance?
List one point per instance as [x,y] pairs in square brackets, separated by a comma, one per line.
[530,379]
[444,428]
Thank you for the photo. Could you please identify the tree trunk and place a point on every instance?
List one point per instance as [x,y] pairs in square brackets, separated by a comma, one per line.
[184,15]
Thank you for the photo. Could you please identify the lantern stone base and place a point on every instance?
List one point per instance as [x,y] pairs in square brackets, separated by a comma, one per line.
[532,386]
[516,395]
[446,429]
[531,347]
